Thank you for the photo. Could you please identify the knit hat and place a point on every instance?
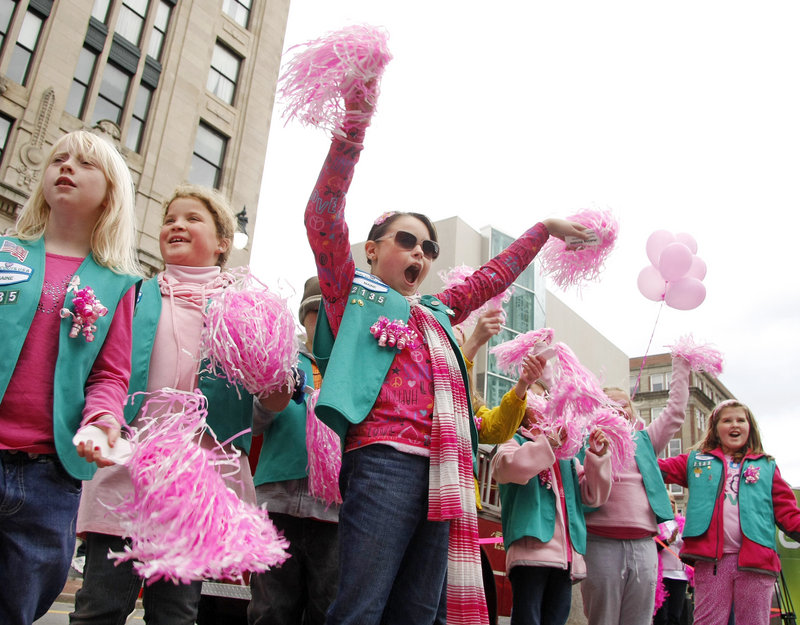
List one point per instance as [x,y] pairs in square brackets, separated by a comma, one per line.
[312,295]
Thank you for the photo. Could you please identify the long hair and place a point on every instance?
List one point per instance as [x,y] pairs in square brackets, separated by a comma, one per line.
[217,205]
[711,440]
[112,239]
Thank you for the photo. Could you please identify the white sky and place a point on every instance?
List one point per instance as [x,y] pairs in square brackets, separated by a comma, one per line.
[683,116]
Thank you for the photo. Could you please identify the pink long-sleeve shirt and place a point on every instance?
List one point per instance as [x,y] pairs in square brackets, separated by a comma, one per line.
[627,513]
[518,464]
[26,412]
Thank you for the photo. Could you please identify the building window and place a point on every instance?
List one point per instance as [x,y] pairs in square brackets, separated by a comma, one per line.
[656,413]
[238,11]
[130,21]
[224,73]
[22,55]
[5,130]
[700,422]
[138,118]
[208,157]
[656,381]
[673,448]
[76,100]
[112,95]
[6,13]
[159,32]
[100,10]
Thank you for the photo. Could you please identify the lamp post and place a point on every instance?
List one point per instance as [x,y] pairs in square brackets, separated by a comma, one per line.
[240,237]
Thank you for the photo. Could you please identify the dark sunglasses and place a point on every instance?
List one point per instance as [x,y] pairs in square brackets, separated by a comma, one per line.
[408,241]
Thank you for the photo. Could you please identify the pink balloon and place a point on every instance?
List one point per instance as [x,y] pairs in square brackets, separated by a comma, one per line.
[685,294]
[651,284]
[698,268]
[688,240]
[674,261]
[656,243]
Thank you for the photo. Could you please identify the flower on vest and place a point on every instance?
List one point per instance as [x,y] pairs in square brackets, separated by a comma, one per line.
[546,479]
[86,309]
[394,334]
[751,475]
[478,422]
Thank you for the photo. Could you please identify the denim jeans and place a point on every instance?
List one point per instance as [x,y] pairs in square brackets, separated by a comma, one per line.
[542,595]
[38,507]
[299,591]
[392,560]
[109,592]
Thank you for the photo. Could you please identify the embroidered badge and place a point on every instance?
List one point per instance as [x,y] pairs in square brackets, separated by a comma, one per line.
[14,273]
[370,282]
[17,251]
[751,475]
[86,310]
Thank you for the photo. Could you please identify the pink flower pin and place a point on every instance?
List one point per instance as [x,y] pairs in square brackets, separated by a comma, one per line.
[86,309]
[751,475]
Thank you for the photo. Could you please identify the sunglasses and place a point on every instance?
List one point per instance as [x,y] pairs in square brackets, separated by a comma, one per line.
[408,241]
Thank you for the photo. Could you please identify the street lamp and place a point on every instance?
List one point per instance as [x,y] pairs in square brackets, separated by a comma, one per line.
[240,237]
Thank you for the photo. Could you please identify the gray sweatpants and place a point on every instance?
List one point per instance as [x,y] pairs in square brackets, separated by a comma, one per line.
[620,584]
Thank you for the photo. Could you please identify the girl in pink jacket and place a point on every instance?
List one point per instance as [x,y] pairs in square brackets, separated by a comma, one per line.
[736,498]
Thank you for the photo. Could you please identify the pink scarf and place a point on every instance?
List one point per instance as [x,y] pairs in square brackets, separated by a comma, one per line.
[452,483]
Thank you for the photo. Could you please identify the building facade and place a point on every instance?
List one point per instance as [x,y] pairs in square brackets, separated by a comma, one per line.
[649,387]
[184,89]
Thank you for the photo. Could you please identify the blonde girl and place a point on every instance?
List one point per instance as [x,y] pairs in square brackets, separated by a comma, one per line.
[63,368]
[736,498]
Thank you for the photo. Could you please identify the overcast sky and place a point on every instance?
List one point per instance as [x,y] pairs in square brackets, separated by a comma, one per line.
[682,116]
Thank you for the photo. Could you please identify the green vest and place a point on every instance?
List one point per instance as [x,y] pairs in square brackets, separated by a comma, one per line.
[704,473]
[354,366]
[654,485]
[230,410]
[647,463]
[530,509]
[20,290]
[284,455]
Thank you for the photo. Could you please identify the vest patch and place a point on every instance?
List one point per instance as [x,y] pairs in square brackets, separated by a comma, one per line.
[14,273]
[8,297]
[369,282]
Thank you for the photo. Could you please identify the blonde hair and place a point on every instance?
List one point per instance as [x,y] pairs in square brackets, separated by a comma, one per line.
[112,240]
[711,440]
[217,205]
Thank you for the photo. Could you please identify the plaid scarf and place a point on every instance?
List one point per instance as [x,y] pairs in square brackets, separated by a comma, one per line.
[451,483]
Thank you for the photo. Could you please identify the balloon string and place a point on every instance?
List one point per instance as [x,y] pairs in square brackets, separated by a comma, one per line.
[644,358]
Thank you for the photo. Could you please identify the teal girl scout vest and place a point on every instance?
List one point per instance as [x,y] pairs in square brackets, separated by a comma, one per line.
[530,509]
[284,455]
[229,412]
[354,366]
[656,490]
[756,515]
[21,280]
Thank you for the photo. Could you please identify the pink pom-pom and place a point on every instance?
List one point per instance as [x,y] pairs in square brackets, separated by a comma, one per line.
[458,275]
[510,354]
[324,456]
[249,337]
[324,74]
[185,523]
[573,267]
[619,431]
[700,357]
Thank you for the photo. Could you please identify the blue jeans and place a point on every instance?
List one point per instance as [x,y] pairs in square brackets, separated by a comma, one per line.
[542,595]
[392,560]
[38,507]
[302,588]
[108,594]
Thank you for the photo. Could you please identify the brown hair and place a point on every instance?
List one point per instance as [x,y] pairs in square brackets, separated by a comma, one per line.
[387,219]
[217,205]
[711,440]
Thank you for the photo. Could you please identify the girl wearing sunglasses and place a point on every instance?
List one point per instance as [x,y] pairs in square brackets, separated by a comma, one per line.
[395,390]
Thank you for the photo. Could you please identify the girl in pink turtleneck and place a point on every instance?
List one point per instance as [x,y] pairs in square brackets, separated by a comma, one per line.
[195,241]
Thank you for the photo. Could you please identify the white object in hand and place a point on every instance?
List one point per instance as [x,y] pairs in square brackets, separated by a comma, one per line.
[119,453]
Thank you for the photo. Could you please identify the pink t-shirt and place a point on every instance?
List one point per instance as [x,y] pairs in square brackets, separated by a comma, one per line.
[731,529]
[26,411]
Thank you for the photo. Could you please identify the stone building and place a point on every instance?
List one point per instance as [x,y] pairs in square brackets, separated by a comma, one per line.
[184,89]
